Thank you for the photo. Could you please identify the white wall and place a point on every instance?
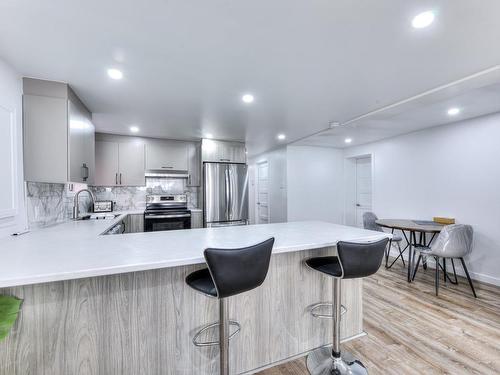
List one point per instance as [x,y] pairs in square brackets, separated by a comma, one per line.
[277,185]
[12,211]
[452,171]
[315,183]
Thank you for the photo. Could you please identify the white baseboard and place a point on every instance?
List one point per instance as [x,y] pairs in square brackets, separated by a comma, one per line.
[474,275]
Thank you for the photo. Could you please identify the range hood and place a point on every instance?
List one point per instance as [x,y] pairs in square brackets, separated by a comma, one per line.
[162,173]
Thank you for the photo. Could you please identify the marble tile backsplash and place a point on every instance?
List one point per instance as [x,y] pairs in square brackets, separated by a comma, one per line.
[49,204]
[134,198]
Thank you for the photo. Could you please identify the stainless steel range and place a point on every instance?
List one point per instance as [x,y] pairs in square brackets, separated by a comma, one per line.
[166,212]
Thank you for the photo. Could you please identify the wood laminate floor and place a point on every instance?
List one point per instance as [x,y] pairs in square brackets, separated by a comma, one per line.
[411,331]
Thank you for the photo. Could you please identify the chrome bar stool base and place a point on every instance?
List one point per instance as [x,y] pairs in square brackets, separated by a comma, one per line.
[321,362]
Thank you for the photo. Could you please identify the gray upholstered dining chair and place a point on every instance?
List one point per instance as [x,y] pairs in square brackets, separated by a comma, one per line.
[454,242]
[369,222]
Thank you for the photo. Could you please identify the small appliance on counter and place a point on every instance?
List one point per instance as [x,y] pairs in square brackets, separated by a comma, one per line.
[103,206]
[166,212]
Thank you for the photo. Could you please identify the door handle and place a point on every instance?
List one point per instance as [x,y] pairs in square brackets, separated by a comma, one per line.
[116,178]
[358,205]
[120,178]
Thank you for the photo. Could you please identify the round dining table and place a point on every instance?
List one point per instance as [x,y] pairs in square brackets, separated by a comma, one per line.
[423,227]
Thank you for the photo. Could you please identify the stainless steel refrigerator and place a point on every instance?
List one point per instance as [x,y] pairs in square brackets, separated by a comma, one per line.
[225,194]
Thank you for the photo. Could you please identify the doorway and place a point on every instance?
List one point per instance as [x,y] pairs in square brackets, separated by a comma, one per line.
[358,177]
[262,201]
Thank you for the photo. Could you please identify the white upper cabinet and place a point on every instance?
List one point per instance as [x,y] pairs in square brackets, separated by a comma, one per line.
[119,163]
[194,164]
[106,156]
[166,155]
[58,134]
[81,144]
[222,151]
[131,164]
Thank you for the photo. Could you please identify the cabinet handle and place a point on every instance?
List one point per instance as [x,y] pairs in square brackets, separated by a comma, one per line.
[225,159]
[120,178]
[189,179]
[167,167]
[116,178]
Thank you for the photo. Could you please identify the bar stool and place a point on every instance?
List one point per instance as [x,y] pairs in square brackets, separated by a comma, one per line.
[354,260]
[229,272]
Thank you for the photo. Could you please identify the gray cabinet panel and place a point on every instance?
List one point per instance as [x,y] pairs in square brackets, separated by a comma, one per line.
[58,133]
[81,143]
[196,219]
[194,164]
[119,164]
[166,155]
[45,122]
[131,164]
[222,151]
[106,171]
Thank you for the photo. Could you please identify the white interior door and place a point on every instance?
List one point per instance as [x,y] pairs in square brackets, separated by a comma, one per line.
[363,188]
[262,208]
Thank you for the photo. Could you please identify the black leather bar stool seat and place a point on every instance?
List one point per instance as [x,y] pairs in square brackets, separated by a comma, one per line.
[202,282]
[230,272]
[329,265]
[354,260]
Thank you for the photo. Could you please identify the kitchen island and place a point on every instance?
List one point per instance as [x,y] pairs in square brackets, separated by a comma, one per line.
[118,304]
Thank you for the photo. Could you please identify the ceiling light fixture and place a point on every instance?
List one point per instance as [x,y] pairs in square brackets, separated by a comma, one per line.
[348,140]
[134,129]
[453,111]
[423,19]
[281,137]
[247,98]
[115,73]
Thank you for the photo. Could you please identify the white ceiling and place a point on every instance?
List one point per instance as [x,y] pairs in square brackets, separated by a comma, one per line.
[187,63]
[474,96]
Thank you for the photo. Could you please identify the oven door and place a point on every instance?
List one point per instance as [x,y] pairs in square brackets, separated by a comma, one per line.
[154,222]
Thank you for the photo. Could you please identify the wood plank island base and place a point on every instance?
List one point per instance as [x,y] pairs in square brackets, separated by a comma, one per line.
[143,322]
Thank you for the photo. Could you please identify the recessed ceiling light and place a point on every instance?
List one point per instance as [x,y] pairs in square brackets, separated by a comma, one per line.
[423,19]
[134,129]
[247,98]
[281,137]
[453,111]
[115,73]
[348,140]
[209,135]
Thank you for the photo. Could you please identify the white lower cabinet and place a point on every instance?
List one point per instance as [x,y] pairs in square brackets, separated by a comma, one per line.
[119,164]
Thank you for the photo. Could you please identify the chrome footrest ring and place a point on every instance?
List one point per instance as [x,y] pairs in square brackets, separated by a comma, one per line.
[313,308]
[213,325]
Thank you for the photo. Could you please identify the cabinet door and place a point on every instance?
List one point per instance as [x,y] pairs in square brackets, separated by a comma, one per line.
[194,164]
[166,155]
[235,152]
[81,145]
[45,122]
[131,164]
[106,165]
[222,151]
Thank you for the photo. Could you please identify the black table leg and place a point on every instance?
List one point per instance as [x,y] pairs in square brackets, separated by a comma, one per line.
[410,254]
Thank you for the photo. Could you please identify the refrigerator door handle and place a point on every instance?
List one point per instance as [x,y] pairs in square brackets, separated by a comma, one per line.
[228,193]
[230,185]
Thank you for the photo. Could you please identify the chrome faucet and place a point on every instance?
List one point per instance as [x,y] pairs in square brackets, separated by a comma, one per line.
[76,213]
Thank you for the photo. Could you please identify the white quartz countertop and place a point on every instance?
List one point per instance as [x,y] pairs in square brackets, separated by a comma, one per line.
[75,250]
